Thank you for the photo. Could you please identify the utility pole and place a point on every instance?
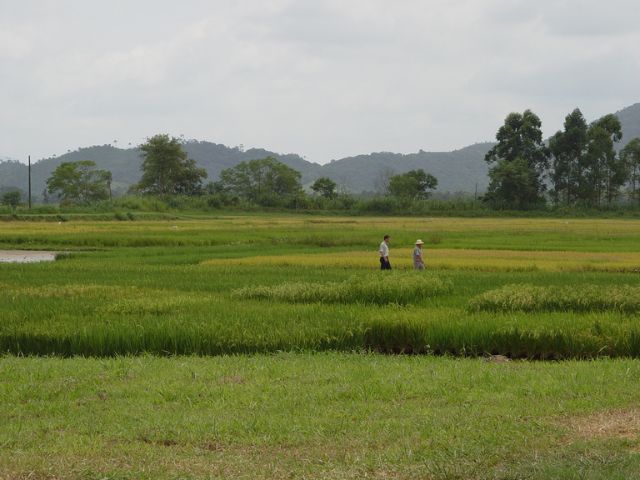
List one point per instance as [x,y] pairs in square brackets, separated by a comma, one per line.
[29,182]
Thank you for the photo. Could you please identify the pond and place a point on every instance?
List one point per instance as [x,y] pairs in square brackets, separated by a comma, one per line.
[26,256]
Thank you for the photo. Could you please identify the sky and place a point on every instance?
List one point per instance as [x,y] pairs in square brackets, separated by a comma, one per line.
[322,78]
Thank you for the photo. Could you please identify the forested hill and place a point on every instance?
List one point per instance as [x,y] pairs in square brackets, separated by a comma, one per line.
[125,164]
[460,170]
[456,171]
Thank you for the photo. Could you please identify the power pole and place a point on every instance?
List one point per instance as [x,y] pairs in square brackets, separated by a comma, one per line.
[29,182]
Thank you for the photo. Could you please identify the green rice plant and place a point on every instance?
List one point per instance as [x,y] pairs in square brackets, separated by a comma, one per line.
[401,289]
[582,298]
[152,305]
[73,290]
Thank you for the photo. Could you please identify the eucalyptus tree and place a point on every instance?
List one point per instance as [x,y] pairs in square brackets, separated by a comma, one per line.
[518,163]
[568,149]
[630,156]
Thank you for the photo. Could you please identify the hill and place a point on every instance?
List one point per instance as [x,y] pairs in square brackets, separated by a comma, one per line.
[630,120]
[461,170]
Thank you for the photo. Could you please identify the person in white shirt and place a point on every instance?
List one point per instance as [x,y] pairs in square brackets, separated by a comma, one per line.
[418,261]
[384,254]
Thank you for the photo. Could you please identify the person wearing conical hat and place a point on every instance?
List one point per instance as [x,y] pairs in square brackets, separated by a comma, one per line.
[418,262]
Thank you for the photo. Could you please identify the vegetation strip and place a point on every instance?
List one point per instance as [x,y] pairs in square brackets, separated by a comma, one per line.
[401,289]
[583,298]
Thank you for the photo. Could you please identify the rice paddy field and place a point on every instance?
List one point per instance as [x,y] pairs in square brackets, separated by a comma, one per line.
[271,346]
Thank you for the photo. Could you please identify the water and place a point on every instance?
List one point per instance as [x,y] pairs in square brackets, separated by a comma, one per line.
[26,256]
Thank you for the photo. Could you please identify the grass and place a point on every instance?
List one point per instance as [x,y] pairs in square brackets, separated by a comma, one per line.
[315,416]
[583,298]
[250,347]
[392,288]
[290,231]
[203,290]
[455,259]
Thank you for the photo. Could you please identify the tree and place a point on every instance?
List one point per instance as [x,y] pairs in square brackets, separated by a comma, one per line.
[630,156]
[603,171]
[79,182]
[519,160]
[568,148]
[325,187]
[264,182]
[415,184]
[512,186]
[12,199]
[166,170]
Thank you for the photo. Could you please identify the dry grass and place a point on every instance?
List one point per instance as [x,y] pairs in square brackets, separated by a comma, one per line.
[609,424]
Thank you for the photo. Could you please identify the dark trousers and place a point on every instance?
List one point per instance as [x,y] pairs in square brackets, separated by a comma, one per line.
[385,264]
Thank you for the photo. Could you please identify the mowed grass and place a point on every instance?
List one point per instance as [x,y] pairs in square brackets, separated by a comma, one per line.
[296,283]
[318,416]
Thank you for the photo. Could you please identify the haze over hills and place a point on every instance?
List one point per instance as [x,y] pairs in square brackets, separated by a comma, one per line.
[461,170]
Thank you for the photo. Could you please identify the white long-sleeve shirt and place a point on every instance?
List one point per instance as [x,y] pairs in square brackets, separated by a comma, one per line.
[384,249]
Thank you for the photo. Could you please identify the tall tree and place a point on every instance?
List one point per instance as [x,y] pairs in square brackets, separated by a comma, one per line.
[518,163]
[325,187]
[414,185]
[568,148]
[630,156]
[603,171]
[166,169]
[79,182]
[265,181]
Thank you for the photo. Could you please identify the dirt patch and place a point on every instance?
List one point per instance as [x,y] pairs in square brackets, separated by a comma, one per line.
[26,256]
[497,359]
[611,424]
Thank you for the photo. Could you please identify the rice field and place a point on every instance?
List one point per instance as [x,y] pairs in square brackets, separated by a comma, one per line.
[262,284]
[290,326]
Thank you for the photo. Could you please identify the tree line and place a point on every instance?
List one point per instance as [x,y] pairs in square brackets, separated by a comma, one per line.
[167,171]
[578,167]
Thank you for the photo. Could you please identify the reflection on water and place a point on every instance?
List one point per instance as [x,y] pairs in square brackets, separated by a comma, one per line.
[26,256]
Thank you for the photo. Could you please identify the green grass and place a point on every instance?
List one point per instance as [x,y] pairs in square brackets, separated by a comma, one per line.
[314,416]
[569,298]
[170,299]
[271,367]
[390,288]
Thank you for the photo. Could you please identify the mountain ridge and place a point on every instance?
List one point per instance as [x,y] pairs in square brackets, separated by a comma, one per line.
[461,170]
